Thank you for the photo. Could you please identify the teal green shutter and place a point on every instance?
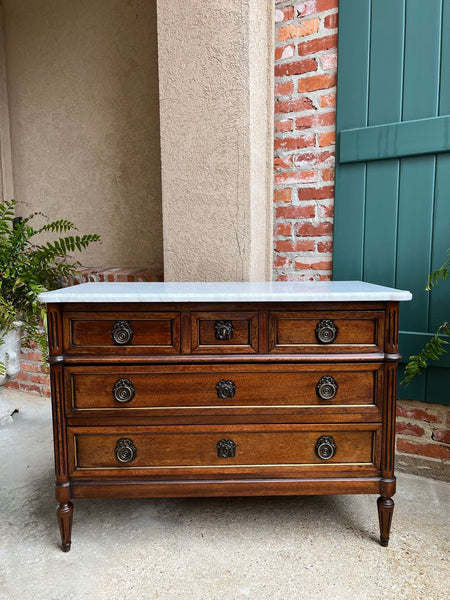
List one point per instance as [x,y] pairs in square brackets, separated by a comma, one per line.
[392,201]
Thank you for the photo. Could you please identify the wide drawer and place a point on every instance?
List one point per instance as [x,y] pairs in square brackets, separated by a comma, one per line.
[224,332]
[267,450]
[325,332]
[122,332]
[132,391]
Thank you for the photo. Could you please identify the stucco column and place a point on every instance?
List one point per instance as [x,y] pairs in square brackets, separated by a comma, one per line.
[6,175]
[216,97]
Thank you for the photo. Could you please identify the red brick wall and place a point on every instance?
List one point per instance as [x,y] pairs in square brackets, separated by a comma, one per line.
[305,99]
[423,429]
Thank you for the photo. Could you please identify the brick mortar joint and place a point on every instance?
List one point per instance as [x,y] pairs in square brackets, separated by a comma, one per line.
[424,424]
[316,56]
[438,461]
[297,19]
[435,410]
[421,439]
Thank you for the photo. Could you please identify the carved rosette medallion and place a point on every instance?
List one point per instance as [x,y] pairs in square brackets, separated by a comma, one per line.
[223,330]
[122,333]
[325,447]
[226,449]
[125,450]
[326,331]
[123,390]
[226,388]
[327,387]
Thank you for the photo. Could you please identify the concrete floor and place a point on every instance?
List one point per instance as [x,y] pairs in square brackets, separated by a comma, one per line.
[210,549]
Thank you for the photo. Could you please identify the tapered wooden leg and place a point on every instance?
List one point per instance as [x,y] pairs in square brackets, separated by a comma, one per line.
[64,511]
[385,512]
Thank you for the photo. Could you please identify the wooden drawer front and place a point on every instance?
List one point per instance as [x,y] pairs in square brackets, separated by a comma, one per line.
[150,333]
[224,332]
[263,448]
[298,331]
[166,389]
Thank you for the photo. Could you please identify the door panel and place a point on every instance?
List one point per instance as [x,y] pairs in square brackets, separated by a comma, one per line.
[392,204]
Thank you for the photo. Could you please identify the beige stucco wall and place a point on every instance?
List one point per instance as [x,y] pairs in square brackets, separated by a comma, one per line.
[6,178]
[215,72]
[84,114]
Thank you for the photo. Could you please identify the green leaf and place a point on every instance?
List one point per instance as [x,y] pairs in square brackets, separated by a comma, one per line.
[432,350]
[441,273]
[29,266]
[60,226]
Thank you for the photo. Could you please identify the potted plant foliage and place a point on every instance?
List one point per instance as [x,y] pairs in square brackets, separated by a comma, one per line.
[29,266]
[436,346]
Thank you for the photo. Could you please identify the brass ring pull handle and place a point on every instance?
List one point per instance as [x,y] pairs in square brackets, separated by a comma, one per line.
[223,330]
[327,387]
[125,450]
[325,447]
[122,333]
[225,388]
[123,390]
[326,331]
[226,449]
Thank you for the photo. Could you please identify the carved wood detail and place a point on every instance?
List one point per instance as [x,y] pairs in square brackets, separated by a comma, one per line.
[54,329]
[59,423]
[385,512]
[389,409]
[391,337]
[64,513]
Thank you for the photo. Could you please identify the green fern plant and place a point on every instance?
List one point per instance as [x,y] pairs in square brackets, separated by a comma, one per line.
[29,267]
[436,346]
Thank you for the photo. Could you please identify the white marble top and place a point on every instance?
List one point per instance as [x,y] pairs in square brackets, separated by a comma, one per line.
[270,291]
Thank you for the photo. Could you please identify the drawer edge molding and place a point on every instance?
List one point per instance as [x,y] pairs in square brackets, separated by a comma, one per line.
[218,487]
[166,359]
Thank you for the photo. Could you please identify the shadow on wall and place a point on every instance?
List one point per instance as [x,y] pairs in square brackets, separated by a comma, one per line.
[84,112]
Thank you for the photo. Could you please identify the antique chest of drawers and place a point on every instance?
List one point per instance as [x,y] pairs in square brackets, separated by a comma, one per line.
[215,389]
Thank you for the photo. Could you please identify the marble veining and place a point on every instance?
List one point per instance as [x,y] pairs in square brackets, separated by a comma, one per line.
[269,291]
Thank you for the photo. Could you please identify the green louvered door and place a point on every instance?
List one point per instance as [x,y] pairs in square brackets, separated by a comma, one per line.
[392,204]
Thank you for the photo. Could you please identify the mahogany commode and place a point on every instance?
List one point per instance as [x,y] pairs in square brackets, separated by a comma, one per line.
[218,389]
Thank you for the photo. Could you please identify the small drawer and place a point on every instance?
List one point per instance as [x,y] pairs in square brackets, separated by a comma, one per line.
[134,391]
[122,333]
[224,332]
[229,451]
[318,332]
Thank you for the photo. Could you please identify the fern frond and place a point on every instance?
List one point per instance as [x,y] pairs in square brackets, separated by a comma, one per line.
[7,210]
[441,273]
[6,216]
[61,247]
[432,350]
[60,226]
[83,242]
[28,268]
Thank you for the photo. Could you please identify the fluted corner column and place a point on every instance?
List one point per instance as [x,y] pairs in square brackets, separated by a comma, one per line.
[216,108]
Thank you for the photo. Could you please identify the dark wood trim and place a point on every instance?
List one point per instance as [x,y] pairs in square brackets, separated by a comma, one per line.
[389,405]
[54,329]
[385,512]
[211,488]
[391,331]
[186,342]
[142,359]
[218,306]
